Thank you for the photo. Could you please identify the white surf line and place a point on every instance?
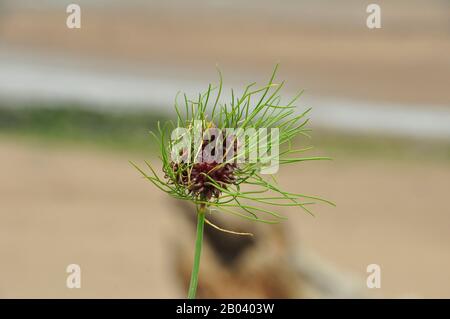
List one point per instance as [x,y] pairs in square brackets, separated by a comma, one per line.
[385,118]
[29,79]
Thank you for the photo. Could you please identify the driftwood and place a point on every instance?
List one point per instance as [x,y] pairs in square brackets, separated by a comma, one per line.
[266,265]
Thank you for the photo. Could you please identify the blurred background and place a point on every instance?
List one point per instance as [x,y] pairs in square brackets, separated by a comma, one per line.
[77,104]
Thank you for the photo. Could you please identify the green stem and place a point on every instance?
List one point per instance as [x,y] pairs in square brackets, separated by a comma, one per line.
[198,251]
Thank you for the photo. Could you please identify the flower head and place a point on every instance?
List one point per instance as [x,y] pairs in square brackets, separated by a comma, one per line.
[215,149]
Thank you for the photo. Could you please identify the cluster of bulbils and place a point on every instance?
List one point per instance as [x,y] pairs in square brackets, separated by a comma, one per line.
[201,179]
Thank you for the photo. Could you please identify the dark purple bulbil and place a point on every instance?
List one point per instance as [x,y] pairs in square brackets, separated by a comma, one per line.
[198,178]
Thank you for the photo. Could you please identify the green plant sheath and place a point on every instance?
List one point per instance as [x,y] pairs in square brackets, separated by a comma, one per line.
[198,251]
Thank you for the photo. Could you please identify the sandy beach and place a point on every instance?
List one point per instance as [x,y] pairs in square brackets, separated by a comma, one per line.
[61,206]
[405,61]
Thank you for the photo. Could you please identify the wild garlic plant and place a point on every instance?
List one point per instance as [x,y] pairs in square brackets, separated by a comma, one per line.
[220,157]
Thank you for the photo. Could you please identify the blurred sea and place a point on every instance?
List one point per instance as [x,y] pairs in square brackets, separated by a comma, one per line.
[50,78]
